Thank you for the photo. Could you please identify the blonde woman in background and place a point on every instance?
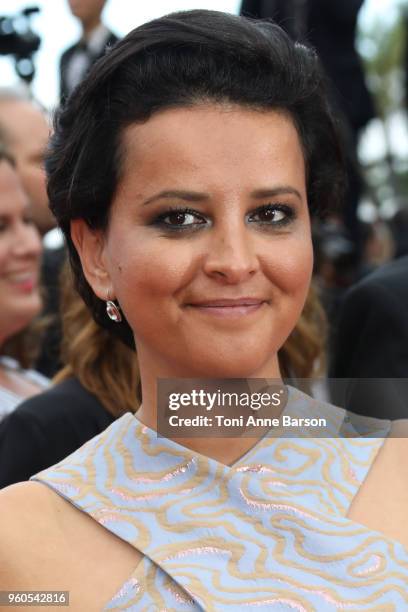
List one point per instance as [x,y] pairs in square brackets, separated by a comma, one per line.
[99,383]
[20,299]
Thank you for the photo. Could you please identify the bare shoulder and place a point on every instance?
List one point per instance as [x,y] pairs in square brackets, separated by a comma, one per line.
[382,501]
[48,544]
[11,497]
[23,505]
[28,529]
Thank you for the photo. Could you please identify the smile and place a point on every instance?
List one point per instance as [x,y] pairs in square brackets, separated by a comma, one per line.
[227,308]
[23,281]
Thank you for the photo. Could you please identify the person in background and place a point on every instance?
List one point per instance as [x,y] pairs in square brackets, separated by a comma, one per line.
[26,130]
[99,383]
[77,59]
[337,265]
[20,301]
[398,225]
[369,369]
[378,245]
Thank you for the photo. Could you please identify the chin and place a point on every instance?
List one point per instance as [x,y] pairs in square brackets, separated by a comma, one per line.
[242,356]
[33,308]
[227,365]
[24,316]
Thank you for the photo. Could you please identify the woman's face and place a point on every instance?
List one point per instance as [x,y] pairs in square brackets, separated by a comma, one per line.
[20,252]
[208,249]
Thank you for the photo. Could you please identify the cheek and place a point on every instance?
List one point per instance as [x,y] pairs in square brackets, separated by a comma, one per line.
[3,258]
[153,272]
[38,179]
[37,246]
[290,268]
[35,178]
[301,266]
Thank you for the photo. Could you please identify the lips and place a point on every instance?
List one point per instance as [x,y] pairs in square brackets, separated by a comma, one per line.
[24,280]
[229,303]
[227,308]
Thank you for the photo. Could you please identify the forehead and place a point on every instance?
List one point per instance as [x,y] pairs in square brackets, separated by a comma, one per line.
[23,122]
[12,197]
[213,142]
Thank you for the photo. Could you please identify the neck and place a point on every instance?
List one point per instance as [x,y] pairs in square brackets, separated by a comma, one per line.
[89,26]
[223,448]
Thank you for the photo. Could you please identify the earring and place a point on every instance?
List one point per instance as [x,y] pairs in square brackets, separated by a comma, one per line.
[113,311]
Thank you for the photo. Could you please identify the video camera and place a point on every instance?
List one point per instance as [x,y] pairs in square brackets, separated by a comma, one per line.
[18,39]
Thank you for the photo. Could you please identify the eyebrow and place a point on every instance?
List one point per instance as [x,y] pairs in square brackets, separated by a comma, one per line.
[38,156]
[188,196]
[196,196]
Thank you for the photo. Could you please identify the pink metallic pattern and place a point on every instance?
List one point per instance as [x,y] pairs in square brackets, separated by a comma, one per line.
[256,469]
[169,476]
[199,550]
[130,585]
[267,506]
[278,600]
[371,568]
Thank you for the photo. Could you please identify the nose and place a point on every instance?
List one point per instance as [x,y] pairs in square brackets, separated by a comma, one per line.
[231,255]
[27,241]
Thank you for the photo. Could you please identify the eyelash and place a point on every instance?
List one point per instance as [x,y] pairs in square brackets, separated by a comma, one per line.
[159,221]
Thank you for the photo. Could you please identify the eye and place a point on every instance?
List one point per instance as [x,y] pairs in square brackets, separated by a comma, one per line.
[273,214]
[179,219]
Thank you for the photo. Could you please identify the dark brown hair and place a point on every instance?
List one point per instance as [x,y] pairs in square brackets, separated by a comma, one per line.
[101,362]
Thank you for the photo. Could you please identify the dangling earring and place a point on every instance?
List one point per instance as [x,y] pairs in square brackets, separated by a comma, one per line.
[112,310]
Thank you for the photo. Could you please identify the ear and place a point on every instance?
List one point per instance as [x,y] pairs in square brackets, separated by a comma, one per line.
[90,245]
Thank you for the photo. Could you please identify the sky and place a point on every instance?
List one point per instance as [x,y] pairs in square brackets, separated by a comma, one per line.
[58,29]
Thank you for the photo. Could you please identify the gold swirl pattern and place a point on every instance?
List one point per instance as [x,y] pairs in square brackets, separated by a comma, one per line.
[270,532]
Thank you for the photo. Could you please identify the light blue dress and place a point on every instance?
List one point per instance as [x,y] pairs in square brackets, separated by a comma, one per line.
[269,532]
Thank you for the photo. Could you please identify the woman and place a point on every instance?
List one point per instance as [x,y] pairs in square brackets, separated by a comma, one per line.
[20,301]
[97,385]
[184,172]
